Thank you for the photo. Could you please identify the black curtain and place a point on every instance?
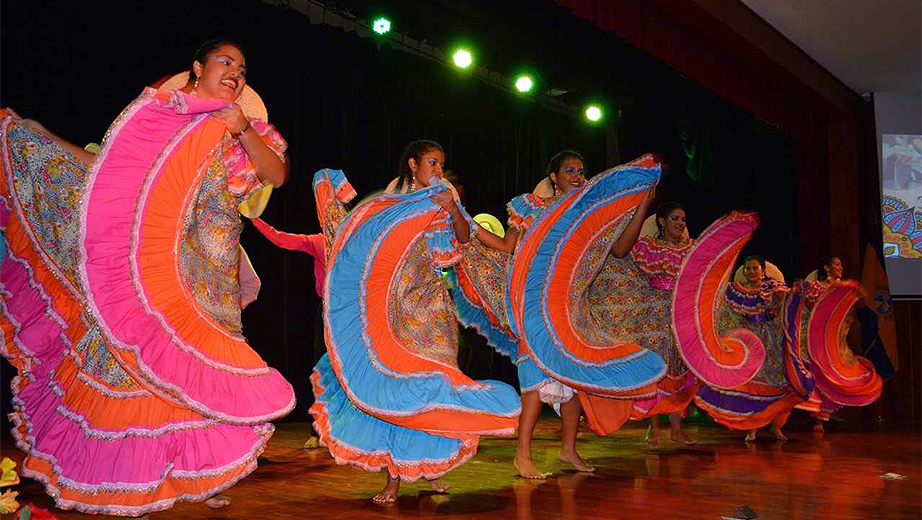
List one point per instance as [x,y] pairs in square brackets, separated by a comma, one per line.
[352,103]
[341,101]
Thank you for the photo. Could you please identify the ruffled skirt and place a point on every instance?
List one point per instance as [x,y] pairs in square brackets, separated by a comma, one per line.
[389,393]
[117,414]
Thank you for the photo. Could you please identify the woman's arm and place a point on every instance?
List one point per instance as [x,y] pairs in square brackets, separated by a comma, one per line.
[290,241]
[506,244]
[461,227]
[628,237]
[269,168]
[82,155]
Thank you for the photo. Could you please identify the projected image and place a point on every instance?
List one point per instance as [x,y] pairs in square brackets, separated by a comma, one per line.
[902,195]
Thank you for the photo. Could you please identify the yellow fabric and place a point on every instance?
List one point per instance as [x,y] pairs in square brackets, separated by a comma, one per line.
[255,204]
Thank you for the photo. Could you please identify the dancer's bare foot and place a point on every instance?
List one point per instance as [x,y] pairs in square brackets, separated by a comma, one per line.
[312,443]
[678,435]
[751,436]
[652,438]
[818,427]
[778,435]
[218,501]
[388,495]
[527,468]
[437,486]
[573,458]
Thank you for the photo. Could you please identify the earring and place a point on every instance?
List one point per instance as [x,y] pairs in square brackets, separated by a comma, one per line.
[195,87]
[556,192]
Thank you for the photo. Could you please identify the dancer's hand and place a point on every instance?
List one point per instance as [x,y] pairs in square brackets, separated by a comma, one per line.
[234,118]
[446,201]
[647,199]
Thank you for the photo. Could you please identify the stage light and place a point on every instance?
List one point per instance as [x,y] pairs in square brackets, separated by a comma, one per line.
[381,25]
[463,58]
[593,113]
[524,84]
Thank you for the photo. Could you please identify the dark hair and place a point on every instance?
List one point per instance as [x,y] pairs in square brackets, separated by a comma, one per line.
[662,212]
[416,150]
[554,164]
[757,258]
[206,48]
[826,261]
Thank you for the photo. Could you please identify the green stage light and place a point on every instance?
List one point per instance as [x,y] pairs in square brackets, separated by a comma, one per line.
[593,113]
[524,84]
[381,25]
[463,58]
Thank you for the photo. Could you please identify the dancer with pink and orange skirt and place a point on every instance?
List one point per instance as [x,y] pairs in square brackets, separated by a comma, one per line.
[121,299]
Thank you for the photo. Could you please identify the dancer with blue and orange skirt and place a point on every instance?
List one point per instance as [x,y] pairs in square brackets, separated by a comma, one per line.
[389,394]
[528,294]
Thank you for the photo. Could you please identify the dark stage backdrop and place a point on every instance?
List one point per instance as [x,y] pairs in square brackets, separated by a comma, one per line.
[345,102]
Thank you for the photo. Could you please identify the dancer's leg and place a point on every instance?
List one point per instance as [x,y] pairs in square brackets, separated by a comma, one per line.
[531,408]
[569,416]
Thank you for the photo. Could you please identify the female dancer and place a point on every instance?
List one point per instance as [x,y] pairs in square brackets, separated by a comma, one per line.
[650,274]
[549,382]
[121,301]
[389,393]
[768,398]
[841,377]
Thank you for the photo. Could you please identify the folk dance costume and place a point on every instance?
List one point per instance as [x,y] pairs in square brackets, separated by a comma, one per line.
[635,294]
[389,393]
[817,319]
[647,296]
[768,398]
[537,306]
[121,310]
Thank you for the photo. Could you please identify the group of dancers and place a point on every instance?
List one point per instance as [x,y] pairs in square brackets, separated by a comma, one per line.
[123,280]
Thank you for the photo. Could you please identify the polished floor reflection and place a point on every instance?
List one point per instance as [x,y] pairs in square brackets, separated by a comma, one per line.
[836,475]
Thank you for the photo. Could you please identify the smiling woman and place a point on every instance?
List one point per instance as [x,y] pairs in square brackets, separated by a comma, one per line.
[122,298]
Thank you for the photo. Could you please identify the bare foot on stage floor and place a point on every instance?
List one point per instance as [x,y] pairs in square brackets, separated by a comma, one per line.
[778,435]
[679,436]
[437,485]
[526,467]
[751,436]
[388,495]
[573,458]
[217,502]
[818,427]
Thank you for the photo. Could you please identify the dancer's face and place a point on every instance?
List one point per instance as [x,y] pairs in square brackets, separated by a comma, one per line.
[429,166]
[570,176]
[834,269]
[752,269]
[674,225]
[223,75]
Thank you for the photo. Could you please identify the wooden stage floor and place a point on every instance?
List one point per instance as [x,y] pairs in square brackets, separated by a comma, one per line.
[835,475]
